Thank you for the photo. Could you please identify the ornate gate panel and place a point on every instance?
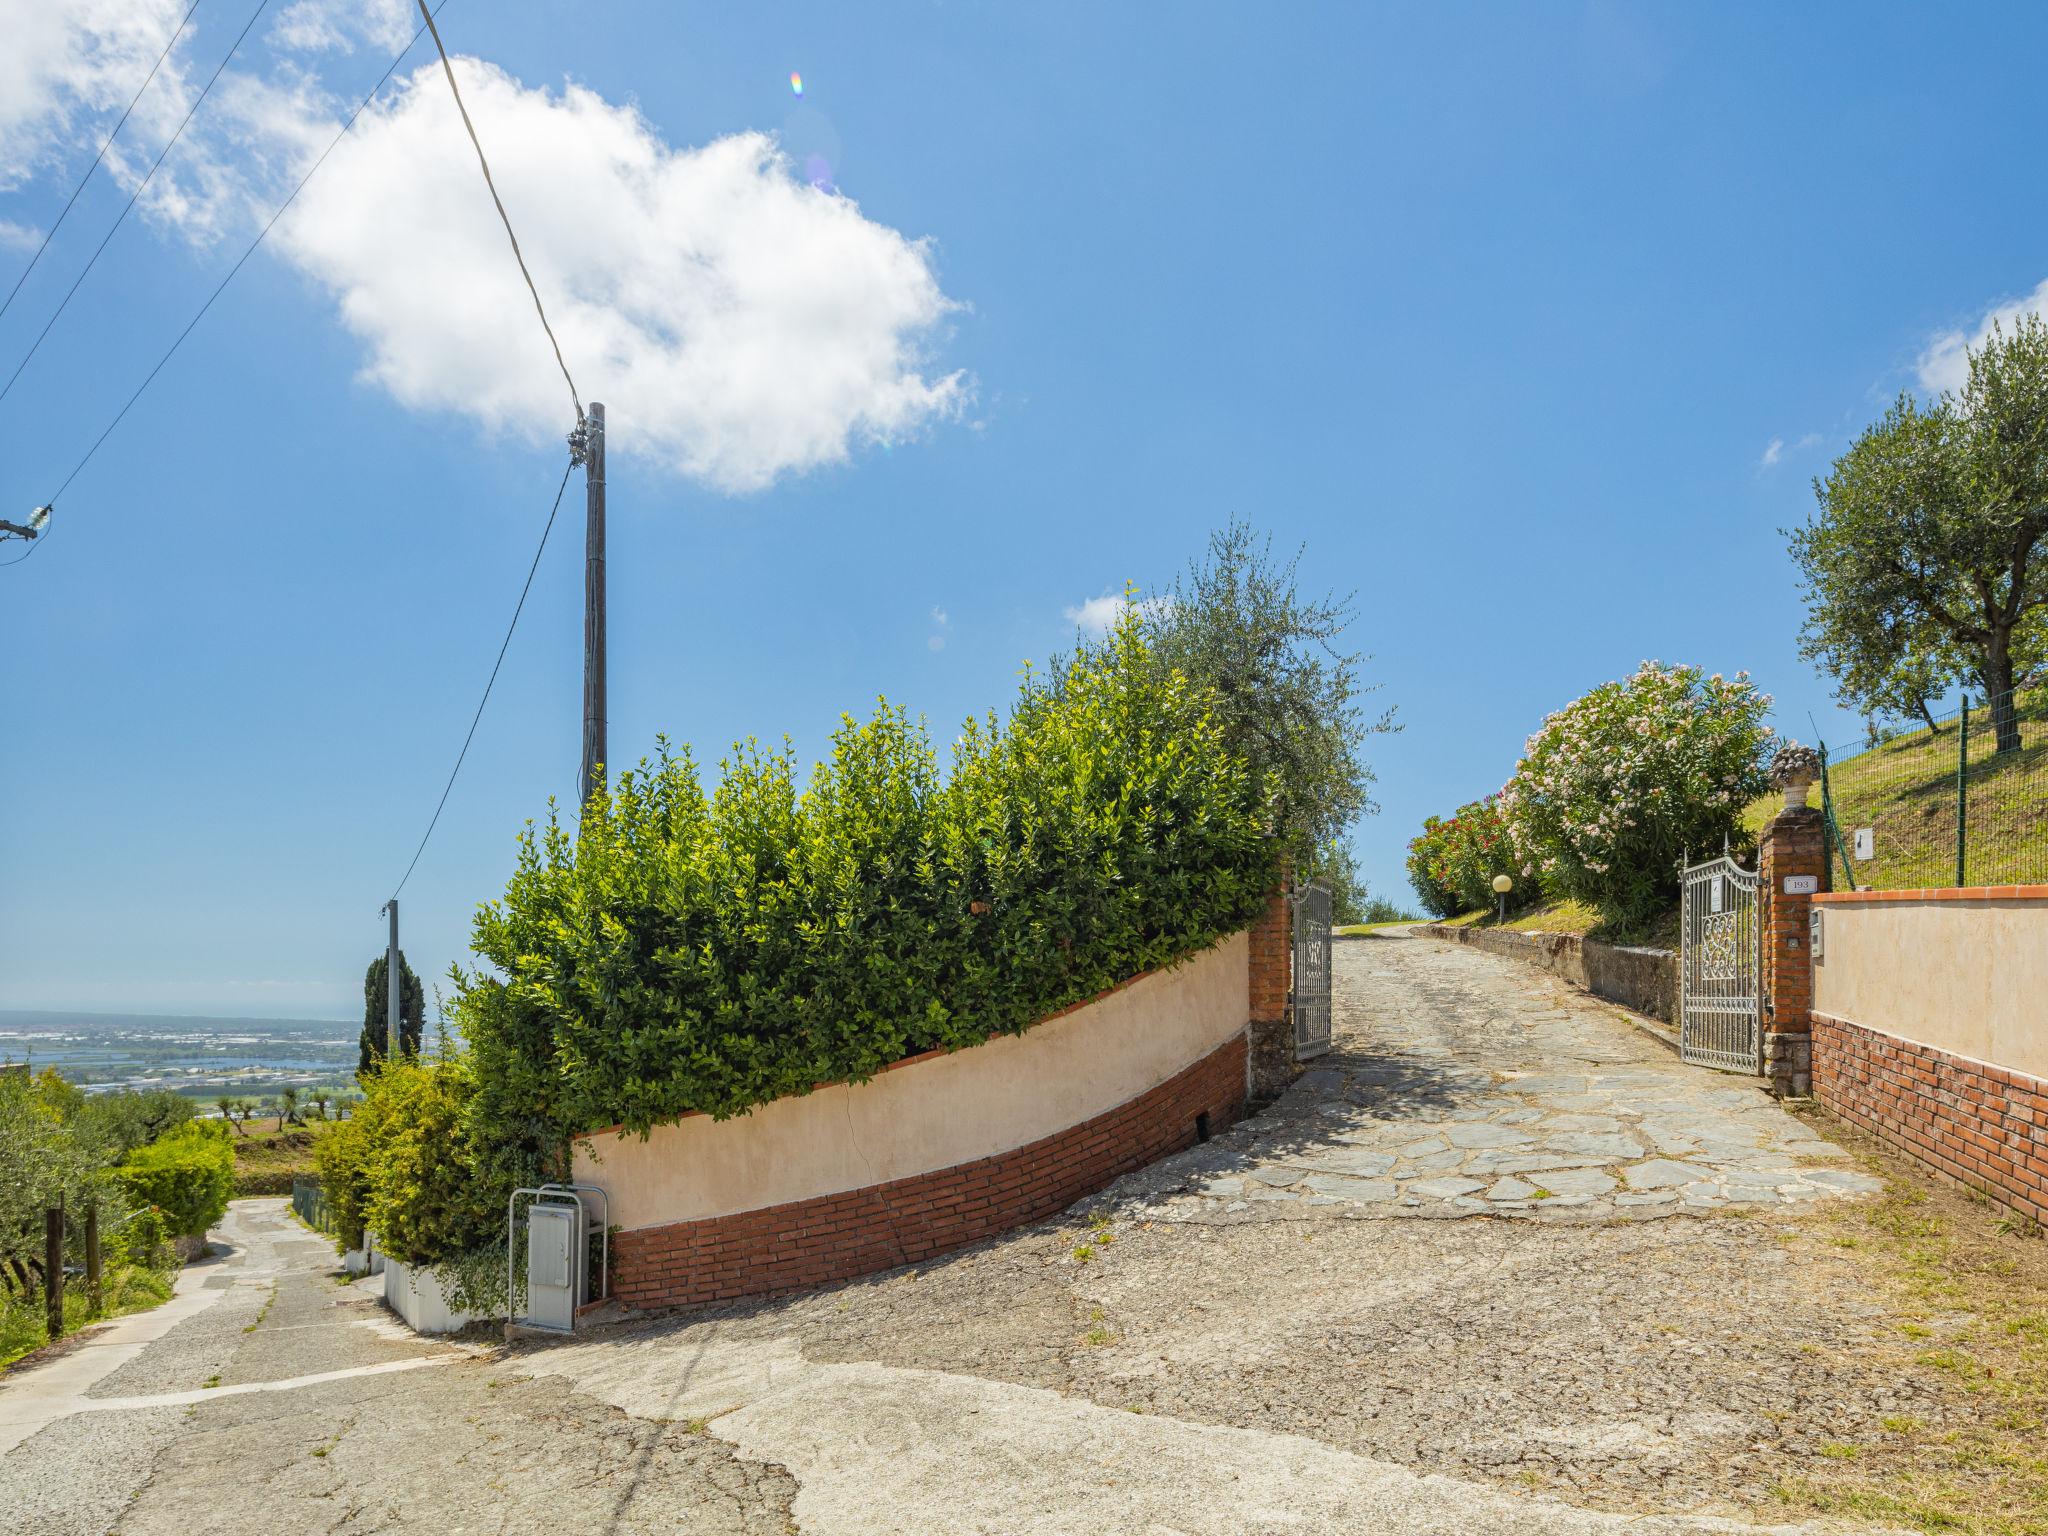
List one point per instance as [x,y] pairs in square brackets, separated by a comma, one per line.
[1310,995]
[1720,987]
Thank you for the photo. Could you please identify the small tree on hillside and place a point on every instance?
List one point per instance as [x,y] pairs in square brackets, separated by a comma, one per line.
[287,1107]
[412,1013]
[1287,696]
[1931,540]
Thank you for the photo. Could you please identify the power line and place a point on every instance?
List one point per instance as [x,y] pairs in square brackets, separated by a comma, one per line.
[504,218]
[362,106]
[96,159]
[125,207]
[518,608]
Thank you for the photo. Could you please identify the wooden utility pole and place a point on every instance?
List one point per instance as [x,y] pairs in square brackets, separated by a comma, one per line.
[392,1035]
[53,1269]
[594,706]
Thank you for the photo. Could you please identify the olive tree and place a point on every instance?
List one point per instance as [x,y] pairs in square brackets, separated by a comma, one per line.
[1929,549]
[1285,690]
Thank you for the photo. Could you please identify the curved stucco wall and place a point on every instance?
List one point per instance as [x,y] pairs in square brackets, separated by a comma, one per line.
[931,1112]
[1962,971]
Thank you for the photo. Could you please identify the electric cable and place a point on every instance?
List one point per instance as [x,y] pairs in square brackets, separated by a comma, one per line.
[361,107]
[96,159]
[503,217]
[518,608]
[140,187]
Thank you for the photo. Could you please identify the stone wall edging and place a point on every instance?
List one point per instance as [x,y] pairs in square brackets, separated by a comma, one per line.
[1975,1124]
[1642,979]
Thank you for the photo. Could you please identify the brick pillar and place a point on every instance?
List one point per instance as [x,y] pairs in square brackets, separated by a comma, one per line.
[1270,1065]
[1794,850]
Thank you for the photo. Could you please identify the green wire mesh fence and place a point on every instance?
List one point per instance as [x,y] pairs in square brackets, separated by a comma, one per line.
[309,1199]
[1961,801]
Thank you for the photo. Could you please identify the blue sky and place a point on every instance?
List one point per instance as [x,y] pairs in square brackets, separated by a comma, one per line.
[1499,310]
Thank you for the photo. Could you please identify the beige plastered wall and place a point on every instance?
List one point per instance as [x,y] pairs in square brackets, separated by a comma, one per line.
[930,1113]
[1965,976]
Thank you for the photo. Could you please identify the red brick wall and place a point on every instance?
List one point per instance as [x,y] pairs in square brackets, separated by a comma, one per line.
[835,1237]
[1794,843]
[1272,954]
[1976,1124]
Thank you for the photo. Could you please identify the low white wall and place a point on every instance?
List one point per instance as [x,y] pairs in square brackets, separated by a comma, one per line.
[415,1295]
[932,1112]
[1961,971]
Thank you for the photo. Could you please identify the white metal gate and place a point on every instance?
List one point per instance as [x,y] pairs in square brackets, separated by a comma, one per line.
[1310,994]
[1720,985]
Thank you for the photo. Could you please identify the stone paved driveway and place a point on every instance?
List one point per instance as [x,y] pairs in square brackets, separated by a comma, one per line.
[1461,1084]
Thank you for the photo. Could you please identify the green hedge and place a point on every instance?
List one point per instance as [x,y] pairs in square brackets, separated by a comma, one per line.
[712,951]
[188,1175]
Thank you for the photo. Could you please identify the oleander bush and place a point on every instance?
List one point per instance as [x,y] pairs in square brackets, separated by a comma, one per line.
[686,950]
[1617,786]
[1429,870]
[1453,863]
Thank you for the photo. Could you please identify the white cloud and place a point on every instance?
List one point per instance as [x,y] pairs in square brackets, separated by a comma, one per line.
[1945,365]
[67,67]
[1777,449]
[318,26]
[1098,615]
[19,237]
[738,323]
[944,622]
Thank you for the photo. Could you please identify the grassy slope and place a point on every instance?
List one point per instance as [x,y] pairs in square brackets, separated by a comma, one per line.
[127,1288]
[1905,791]
[1567,916]
[1353,930]
[267,1164]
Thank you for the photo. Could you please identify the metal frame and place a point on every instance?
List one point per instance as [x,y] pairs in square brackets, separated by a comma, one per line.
[1720,968]
[559,1194]
[1309,1005]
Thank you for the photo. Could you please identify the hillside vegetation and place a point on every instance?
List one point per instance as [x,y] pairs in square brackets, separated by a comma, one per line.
[267,1164]
[1904,790]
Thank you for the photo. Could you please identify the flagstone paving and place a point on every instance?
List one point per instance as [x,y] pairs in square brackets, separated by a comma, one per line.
[1462,1084]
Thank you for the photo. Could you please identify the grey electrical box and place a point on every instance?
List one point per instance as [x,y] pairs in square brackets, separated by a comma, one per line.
[1815,933]
[1866,842]
[554,1233]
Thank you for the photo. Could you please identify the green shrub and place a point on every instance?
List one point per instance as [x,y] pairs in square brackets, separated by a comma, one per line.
[342,1160]
[142,1239]
[188,1175]
[422,1203]
[1616,787]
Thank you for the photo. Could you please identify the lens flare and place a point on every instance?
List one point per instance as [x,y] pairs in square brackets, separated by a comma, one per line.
[796,83]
